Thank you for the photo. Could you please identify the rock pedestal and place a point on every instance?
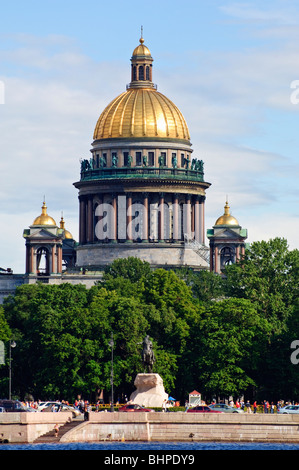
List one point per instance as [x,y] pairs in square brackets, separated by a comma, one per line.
[149,390]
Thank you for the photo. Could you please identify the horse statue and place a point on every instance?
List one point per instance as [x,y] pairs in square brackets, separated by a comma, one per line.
[148,357]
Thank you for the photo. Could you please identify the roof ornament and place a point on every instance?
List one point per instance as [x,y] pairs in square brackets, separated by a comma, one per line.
[141,40]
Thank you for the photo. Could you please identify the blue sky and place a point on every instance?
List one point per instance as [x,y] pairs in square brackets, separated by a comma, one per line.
[227,65]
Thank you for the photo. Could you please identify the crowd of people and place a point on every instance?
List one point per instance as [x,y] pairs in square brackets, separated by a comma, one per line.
[248,407]
[264,407]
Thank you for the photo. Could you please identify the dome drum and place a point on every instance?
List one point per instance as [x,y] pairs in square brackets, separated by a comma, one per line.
[142,159]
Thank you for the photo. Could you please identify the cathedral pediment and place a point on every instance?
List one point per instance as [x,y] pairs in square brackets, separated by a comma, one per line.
[41,233]
[227,233]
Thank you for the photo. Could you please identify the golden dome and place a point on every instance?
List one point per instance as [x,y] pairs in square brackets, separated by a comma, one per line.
[141,49]
[67,234]
[141,112]
[44,218]
[226,218]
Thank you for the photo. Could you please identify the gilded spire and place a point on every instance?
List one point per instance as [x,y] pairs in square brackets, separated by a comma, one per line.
[44,218]
[226,218]
[226,209]
[67,234]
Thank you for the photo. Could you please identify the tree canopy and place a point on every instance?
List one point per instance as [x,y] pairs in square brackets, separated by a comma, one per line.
[222,335]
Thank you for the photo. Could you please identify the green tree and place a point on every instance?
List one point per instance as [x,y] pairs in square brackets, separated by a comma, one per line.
[268,275]
[57,350]
[206,286]
[128,268]
[5,336]
[224,339]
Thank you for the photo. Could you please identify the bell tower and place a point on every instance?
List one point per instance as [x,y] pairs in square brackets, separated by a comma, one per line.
[227,241]
[47,245]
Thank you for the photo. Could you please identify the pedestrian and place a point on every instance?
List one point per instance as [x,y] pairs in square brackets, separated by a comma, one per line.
[266,406]
[272,407]
[248,406]
[254,406]
[164,405]
[56,429]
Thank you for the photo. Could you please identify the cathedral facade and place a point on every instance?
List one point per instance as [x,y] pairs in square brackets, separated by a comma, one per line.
[141,193]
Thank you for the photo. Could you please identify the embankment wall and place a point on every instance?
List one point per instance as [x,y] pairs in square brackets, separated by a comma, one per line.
[26,427]
[177,426]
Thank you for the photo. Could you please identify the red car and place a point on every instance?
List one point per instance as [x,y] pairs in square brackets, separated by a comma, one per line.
[202,409]
[134,408]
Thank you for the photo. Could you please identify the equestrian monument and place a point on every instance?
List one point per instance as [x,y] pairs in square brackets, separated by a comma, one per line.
[149,386]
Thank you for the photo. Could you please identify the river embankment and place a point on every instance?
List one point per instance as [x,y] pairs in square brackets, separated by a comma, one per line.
[159,427]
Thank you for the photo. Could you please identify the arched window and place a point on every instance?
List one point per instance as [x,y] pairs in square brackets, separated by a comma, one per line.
[42,261]
[147,73]
[226,256]
[141,72]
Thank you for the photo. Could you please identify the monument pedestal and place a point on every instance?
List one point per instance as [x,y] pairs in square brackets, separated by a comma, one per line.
[149,390]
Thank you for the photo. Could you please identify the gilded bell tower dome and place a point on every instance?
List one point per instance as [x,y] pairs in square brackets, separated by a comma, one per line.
[141,193]
[44,218]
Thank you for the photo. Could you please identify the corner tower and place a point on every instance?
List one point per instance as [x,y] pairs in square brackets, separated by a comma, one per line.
[227,241]
[141,193]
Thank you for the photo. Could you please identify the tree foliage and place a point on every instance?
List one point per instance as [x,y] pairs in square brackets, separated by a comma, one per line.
[220,335]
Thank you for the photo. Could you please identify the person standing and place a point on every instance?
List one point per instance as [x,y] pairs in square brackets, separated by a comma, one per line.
[265,406]
[56,429]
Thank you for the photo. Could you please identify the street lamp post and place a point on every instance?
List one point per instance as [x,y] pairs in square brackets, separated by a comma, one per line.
[111,344]
[12,344]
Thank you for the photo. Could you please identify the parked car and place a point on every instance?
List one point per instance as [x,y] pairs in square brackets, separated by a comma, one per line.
[57,406]
[46,404]
[134,407]
[12,406]
[202,409]
[288,409]
[225,408]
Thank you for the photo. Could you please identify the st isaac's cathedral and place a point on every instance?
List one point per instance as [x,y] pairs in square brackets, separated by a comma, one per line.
[141,193]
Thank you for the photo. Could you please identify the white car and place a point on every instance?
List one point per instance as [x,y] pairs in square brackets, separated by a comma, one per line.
[56,406]
[288,409]
[46,404]
[225,408]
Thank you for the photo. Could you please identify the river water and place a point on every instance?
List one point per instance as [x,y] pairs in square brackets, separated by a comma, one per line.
[161,447]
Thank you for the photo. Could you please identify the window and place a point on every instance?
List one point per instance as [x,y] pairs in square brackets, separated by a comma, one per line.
[151,158]
[147,73]
[126,158]
[138,158]
[141,72]
[182,160]
[163,155]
